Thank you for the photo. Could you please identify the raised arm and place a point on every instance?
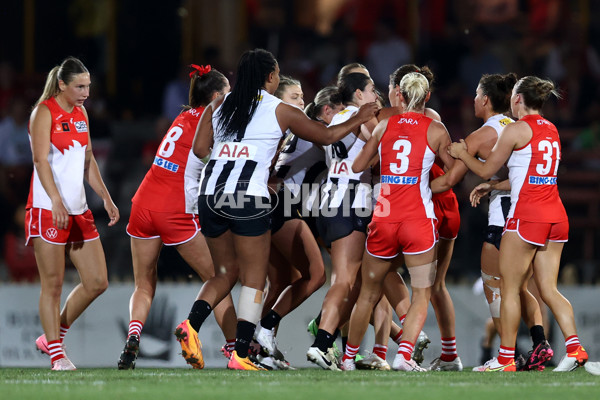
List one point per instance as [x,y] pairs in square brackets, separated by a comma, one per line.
[292,118]
[204,136]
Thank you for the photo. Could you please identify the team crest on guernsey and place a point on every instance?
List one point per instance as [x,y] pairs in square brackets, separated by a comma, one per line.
[505,121]
[81,126]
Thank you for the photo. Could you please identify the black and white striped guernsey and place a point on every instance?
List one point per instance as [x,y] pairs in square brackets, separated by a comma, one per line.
[343,185]
[302,163]
[244,165]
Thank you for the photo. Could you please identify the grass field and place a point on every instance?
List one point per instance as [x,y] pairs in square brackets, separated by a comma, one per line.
[150,384]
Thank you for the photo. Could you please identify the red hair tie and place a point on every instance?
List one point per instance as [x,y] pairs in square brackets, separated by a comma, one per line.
[200,69]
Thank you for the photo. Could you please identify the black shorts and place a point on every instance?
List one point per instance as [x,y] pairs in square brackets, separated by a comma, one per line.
[338,226]
[493,235]
[250,217]
[283,210]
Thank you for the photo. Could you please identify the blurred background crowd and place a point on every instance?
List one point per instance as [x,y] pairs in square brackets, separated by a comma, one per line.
[138,53]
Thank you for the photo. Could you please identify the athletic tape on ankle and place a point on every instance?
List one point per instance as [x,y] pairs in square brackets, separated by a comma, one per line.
[423,276]
[496,298]
[250,304]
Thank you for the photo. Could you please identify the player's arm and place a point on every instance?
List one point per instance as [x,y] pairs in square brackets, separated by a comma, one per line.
[483,189]
[368,153]
[204,136]
[40,128]
[508,140]
[292,118]
[439,140]
[475,142]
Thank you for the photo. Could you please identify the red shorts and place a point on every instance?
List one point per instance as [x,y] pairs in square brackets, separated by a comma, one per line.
[38,223]
[388,239]
[448,216]
[171,228]
[538,232]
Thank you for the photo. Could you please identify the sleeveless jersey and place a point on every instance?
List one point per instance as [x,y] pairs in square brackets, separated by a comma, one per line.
[244,165]
[342,184]
[68,143]
[171,184]
[301,165]
[406,159]
[495,212]
[532,174]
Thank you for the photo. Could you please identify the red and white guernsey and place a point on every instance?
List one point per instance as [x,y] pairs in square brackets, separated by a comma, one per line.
[532,174]
[68,143]
[406,159]
[171,184]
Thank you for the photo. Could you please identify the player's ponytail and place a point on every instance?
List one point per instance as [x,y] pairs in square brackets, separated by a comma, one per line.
[399,73]
[205,81]
[498,89]
[535,91]
[414,88]
[328,96]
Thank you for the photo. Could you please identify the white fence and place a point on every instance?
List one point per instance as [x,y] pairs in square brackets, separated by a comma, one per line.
[97,337]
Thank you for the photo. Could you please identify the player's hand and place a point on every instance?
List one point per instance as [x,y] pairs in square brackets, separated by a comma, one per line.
[478,192]
[367,111]
[456,149]
[113,212]
[60,215]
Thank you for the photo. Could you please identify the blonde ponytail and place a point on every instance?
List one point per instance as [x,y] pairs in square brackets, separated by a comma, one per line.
[51,88]
[414,88]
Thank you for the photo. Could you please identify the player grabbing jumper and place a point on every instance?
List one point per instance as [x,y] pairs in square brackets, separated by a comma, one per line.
[404,218]
[241,132]
[537,225]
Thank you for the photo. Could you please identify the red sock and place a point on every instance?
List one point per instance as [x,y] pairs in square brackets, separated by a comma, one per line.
[230,345]
[402,318]
[572,343]
[56,351]
[406,349]
[135,328]
[63,331]
[351,352]
[506,355]
[380,350]
[398,338]
[448,349]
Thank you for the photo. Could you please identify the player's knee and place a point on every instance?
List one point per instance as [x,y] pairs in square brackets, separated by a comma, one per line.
[423,276]
[250,304]
[343,283]
[100,286]
[494,299]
